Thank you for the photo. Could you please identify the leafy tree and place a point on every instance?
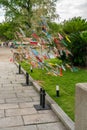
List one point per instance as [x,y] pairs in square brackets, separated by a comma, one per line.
[76,28]
[26,13]
[7,31]
[78,49]
[74,25]
[84,36]
[55,28]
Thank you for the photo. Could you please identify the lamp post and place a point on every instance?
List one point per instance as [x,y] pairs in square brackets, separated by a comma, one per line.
[57,91]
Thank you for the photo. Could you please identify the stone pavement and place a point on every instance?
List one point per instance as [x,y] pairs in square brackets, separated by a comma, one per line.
[17,110]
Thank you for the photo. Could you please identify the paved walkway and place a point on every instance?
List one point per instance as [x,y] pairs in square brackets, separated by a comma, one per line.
[16,102]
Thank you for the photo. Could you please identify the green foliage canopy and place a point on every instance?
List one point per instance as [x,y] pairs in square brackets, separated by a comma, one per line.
[7,31]
[76,28]
[28,12]
[74,25]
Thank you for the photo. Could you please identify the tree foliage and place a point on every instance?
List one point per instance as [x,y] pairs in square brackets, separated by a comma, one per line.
[26,13]
[74,25]
[55,28]
[78,48]
[76,28]
[7,31]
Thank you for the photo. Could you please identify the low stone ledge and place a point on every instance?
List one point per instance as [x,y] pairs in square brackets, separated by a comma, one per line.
[63,117]
[49,100]
[37,87]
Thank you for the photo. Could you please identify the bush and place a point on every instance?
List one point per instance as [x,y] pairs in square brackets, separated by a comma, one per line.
[78,48]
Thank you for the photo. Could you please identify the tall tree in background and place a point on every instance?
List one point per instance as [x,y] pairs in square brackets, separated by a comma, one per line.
[26,13]
[7,31]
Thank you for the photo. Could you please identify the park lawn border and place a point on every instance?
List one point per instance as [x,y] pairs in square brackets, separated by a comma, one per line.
[65,119]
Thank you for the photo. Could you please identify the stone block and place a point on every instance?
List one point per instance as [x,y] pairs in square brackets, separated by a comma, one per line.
[18,112]
[27,104]
[51,126]
[6,95]
[31,127]
[81,107]
[18,100]
[11,121]
[22,94]
[2,114]
[36,98]
[2,101]
[8,106]
[40,118]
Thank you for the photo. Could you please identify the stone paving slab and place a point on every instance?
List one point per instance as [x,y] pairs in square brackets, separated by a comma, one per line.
[39,118]
[51,126]
[19,86]
[18,112]
[18,100]
[8,106]
[2,114]
[17,82]
[5,82]
[45,111]
[31,127]
[36,98]
[30,94]
[3,88]
[6,95]
[29,90]
[2,101]
[9,92]
[11,121]
[27,104]
[7,85]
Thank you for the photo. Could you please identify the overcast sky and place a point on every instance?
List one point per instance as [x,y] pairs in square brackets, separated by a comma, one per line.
[71,8]
[66,9]
[1,15]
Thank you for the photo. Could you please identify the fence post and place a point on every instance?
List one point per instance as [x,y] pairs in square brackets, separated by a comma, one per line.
[43,97]
[40,96]
[19,69]
[27,78]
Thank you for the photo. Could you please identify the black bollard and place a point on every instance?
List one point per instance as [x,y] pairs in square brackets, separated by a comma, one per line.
[27,78]
[27,83]
[19,69]
[42,105]
[41,96]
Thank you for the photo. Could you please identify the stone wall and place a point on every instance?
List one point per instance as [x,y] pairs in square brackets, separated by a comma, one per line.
[81,107]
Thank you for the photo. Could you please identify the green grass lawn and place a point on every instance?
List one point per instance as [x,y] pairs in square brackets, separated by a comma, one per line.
[66,83]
